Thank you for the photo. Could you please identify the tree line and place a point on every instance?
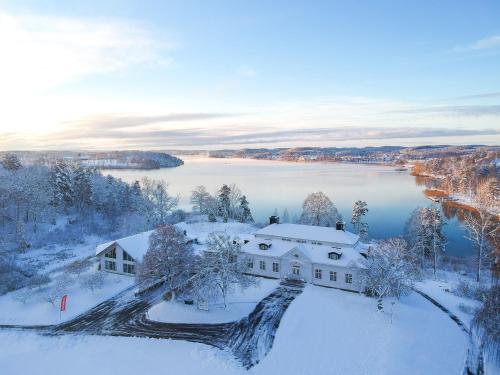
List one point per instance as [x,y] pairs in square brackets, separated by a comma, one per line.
[48,204]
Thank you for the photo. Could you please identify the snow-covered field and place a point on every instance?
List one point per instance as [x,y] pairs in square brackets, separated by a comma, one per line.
[239,305]
[440,290]
[324,331]
[36,310]
[327,331]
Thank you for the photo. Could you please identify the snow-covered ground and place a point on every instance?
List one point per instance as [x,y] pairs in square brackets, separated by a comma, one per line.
[324,331]
[36,310]
[440,290]
[327,331]
[239,305]
[25,353]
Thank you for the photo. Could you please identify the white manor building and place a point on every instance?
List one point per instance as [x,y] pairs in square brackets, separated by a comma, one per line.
[319,255]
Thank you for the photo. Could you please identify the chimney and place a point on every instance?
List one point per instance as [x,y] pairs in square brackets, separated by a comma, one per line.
[274,219]
[339,225]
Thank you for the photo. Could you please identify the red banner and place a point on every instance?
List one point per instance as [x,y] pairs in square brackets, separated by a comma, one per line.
[63,302]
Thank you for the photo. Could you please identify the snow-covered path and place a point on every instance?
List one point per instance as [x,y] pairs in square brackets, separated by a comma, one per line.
[248,340]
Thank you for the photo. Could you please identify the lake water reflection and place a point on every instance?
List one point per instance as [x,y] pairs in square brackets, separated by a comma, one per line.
[391,195]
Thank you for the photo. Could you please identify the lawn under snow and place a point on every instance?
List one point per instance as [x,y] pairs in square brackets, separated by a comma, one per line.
[440,290]
[99,355]
[38,311]
[239,305]
[328,331]
[324,331]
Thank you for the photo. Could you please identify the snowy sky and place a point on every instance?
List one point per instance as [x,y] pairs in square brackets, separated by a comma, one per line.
[230,74]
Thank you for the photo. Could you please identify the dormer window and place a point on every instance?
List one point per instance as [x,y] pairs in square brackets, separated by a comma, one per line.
[265,245]
[334,255]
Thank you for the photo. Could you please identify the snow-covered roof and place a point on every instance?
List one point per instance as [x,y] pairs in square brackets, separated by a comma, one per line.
[309,233]
[136,245]
[317,253]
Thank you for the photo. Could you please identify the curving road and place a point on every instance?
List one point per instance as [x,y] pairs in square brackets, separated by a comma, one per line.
[249,339]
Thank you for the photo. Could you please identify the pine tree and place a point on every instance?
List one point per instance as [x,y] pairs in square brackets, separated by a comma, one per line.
[244,211]
[224,202]
[359,210]
[286,216]
[60,177]
[82,186]
[11,162]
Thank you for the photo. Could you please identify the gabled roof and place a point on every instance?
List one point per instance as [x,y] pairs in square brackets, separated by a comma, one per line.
[136,245]
[309,233]
[317,254]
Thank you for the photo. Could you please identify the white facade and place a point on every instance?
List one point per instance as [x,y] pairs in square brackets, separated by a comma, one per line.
[321,256]
[116,260]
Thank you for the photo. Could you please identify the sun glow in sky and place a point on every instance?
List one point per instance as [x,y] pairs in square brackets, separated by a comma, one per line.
[230,74]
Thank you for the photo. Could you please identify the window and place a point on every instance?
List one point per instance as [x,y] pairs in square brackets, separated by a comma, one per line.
[263,246]
[296,270]
[127,257]
[317,274]
[128,268]
[348,278]
[262,265]
[334,255]
[232,258]
[276,267]
[110,265]
[301,241]
[333,276]
[111,253]
[250,263]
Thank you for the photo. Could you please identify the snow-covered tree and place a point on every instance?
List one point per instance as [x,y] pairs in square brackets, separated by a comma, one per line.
[435,222]
[159,203]
[224,202]
[359,210]
[92,281]
[59,288]
[11,162]
[82,188]
[286,216]
[235,195]
[245,215]
[169,257]
[199,197]
[389,269]
[319,210]
[221,268]
[62,187]
[481,227]
[424,234]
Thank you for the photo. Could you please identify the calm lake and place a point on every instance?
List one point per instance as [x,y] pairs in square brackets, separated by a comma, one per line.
[391,195]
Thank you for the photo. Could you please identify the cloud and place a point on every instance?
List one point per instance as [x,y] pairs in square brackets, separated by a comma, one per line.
[244,135]
[481,44]
[456,110]
[120,121]
[487,95]
[247,71]
[39,53]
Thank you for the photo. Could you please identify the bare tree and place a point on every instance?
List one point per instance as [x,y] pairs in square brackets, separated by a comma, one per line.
[390,271]
[169,257]
[318,210]
[92,281]
[221,268]
[199,197]
[480,226]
